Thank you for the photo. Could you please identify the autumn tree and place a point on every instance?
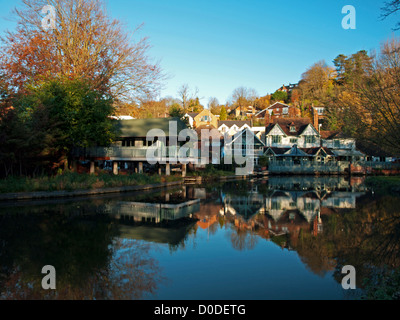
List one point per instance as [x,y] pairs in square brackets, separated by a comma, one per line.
[85,43]
[295,97]
[379,95]
[262,103]
[343,106]
[189,100]
[126,108]
[317,82]
[151,108]
[214,106]
[391,7]
[243,97]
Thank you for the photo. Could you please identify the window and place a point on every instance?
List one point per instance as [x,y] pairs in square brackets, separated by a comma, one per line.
[292,129]
[275,205]
[139,143]
[293,140]
[205,119]
[309,139]
[276,139]
[285,110]
[336,143]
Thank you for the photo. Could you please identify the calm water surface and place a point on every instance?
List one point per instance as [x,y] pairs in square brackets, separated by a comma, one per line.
[281,238]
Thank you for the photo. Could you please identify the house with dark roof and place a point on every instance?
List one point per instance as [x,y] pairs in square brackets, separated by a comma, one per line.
[286,132]
[296,141]
[133,148]
[241,140]
[288,88]
[278,110]
[212,141]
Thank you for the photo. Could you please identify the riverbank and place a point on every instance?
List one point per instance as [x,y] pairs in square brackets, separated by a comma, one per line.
[74,185]
[385,184]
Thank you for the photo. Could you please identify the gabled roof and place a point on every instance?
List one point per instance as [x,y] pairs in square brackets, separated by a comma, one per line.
[333,135]
[231,123]
[275,105]
[329,134]
[296,152]
[300,124]
[316,151]
[239,134]
[193,114]
[277,151]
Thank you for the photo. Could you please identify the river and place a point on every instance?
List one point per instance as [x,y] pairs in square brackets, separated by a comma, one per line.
[278,238]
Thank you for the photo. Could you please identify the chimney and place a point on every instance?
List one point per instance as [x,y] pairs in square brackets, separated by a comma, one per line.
[315,119]
[267,118]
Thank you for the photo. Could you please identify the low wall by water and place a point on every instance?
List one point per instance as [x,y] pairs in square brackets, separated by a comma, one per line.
[78,193]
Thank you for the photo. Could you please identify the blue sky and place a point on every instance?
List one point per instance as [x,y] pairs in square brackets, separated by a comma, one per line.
[220,45]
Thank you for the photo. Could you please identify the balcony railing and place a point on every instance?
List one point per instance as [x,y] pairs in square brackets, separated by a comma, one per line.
[128,152]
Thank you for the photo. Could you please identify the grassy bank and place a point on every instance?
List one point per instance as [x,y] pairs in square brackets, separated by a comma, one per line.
[211,173]
[382,184]
[70,181]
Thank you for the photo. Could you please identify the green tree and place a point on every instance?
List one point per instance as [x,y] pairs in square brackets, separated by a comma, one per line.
[176,111]
[223,114]
[61,115]
[279,96]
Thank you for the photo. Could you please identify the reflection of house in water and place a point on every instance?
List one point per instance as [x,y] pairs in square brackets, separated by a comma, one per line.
[156,222]
[208,215]
[289,205]
[245,206]
[152,212]
[314,183]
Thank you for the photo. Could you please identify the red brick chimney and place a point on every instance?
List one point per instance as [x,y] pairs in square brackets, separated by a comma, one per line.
[267,118]
[315,119]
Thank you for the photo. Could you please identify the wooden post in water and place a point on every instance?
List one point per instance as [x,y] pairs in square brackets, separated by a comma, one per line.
[91,167]
[140,167]
[115,168]
[184,170]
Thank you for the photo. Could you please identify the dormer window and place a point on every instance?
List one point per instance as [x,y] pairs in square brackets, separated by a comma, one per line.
[292,128]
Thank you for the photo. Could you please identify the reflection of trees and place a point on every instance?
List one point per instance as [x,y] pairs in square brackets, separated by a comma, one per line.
[82,250]
[366,237]
[315,253]
[243,239]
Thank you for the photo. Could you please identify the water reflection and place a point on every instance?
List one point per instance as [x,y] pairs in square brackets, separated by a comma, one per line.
[102,247]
